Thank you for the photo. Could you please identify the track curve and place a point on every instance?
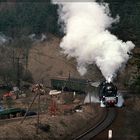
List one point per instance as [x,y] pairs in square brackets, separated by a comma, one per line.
[108,118]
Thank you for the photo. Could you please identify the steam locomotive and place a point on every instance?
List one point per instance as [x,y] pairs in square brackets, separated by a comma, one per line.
[108,94]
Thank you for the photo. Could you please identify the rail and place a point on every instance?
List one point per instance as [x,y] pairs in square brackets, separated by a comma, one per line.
[108,118]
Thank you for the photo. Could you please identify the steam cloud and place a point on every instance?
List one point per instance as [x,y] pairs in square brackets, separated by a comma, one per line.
[120,100]
[91,98]
[88,39]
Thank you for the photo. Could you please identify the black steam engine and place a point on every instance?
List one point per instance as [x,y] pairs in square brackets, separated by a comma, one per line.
[108,94]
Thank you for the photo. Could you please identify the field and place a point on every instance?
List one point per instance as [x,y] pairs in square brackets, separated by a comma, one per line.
[64,124]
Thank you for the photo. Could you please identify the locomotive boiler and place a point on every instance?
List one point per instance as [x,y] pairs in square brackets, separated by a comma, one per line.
[108,94]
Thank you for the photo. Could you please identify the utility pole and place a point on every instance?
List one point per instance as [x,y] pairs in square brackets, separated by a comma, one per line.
[18,71]
[38,114]
[38,89]
[69,84]
[17,66]
[69,75]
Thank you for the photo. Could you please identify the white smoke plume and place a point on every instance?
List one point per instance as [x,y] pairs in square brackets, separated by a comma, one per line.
[120,100]
[91,98]
[88,39]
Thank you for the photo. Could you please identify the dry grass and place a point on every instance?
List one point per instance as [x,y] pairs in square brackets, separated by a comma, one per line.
[61,127]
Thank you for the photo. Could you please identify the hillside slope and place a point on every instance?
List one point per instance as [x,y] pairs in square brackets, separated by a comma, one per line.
[47,61]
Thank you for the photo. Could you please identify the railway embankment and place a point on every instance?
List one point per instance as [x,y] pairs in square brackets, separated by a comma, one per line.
[61,127]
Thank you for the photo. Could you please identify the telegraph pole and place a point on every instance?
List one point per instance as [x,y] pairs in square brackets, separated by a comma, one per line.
[18,75]
[69,84]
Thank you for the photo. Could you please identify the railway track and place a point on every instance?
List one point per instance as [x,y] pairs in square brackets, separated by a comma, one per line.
[100,126]
[106,120]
